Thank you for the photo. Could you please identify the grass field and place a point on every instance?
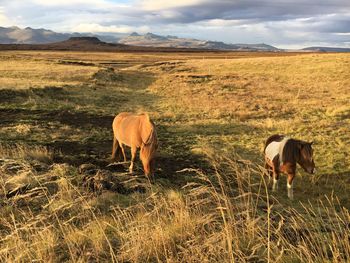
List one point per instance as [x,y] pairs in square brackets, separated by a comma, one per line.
[209,202]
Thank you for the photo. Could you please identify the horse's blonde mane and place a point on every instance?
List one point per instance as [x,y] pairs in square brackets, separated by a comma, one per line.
[152,135]
[148,150]
[148,126]
[145,114]
[150,145]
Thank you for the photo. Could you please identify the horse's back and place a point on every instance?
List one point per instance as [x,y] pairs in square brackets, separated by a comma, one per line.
[125,119]
[132,129]
[121,116]
[273,138]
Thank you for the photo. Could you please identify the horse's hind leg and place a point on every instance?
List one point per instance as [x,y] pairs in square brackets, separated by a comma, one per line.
[115,148]
[123,151]
[275,173]
[268,171]
[133,155]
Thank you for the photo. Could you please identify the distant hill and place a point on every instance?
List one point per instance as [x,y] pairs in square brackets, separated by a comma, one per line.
[73,43]
[16,35]
[92,44]
[153,40]
[85,43]
[327,49]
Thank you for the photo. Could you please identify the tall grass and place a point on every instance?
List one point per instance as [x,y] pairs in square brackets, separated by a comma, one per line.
[223,216]
[223,213]
[26,152]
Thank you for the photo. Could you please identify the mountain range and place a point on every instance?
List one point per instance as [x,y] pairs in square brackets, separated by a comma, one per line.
[28,35]
[83,43]
[16,35]
[153,40]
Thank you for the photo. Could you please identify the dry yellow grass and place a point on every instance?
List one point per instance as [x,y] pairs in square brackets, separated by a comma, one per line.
[26,152]
[21,72]
[212,117]
[304,96]
[220,218]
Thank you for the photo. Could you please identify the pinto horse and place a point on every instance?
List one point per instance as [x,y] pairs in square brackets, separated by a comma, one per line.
[135,131]
[282,155]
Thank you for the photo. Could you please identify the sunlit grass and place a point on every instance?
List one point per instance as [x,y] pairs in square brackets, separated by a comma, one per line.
[223,217]
[210,201]
[25,73]
[303,96]
[26,152]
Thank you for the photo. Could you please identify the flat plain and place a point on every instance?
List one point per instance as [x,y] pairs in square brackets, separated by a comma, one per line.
[210,201]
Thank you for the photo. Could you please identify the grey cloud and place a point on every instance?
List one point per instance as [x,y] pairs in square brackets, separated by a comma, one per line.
[272,21]
[338,24]
[264,10]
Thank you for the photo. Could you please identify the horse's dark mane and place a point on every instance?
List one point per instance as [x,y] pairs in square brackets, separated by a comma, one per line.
[291,151]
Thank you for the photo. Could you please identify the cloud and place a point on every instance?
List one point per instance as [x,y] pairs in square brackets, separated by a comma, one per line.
[282,22]
[4,20]
[156,5]
[221,23]
[342,34]
[257,10]
[71,3]
[97,28]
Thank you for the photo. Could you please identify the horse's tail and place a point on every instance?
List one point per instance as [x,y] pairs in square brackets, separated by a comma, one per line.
[115,145]
[272,138]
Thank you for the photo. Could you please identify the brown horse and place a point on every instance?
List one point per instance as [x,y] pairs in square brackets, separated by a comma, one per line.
[282,155]
[135,131]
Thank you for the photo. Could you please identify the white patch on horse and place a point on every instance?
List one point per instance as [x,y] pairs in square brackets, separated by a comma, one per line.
[290,190]
[276,148]
[275,184]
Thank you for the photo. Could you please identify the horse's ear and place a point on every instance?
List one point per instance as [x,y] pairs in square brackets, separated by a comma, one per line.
[311,143]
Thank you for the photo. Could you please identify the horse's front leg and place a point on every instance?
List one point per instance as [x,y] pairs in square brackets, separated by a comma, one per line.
[133,155]
[290,185]
[275,175]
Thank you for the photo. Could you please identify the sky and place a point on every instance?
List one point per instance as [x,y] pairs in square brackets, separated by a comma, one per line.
[282,23]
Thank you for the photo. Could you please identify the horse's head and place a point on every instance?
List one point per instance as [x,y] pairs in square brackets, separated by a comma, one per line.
[148,156]
[306,159]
